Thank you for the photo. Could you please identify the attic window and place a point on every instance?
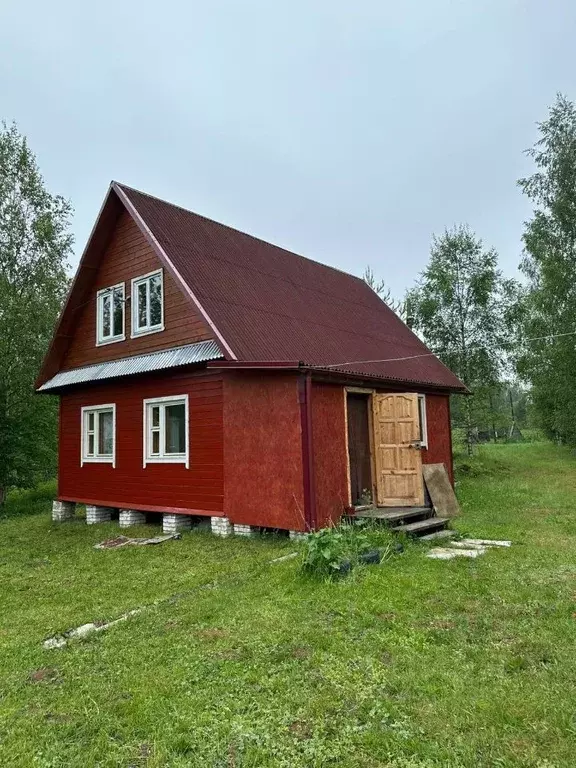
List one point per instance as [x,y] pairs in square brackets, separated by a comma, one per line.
[148,303]
[110,314]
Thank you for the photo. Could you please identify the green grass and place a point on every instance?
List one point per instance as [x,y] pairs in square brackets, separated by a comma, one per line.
[412,663]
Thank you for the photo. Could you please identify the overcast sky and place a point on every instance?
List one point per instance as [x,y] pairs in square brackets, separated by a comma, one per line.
[345,130]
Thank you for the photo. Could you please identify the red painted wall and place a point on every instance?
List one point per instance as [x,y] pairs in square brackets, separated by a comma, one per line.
[167,487]
[263,450]
[245,448]
[127,256]
[439,436]
[330,456]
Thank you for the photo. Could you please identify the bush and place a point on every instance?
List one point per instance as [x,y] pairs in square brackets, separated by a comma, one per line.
[29,502]
[332,552]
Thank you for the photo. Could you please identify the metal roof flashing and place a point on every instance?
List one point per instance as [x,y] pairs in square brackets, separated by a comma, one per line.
[200,352]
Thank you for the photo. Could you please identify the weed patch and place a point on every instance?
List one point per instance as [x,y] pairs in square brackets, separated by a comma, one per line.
[333,552]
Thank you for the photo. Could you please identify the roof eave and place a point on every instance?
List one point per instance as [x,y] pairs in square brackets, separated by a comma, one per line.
[331,373]
[197,354]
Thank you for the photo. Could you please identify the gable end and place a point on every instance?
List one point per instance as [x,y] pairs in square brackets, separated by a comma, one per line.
[118,251]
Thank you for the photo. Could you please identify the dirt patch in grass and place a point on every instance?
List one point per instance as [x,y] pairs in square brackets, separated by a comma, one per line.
[46,675]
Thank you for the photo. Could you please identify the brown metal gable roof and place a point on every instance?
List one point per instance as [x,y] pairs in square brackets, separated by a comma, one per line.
[269,304]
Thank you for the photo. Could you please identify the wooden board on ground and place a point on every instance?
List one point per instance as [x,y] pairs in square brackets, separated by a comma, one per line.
[440,489]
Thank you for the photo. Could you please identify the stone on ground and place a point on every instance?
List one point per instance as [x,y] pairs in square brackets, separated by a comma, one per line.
[445,534]
[445,553]
[466,544]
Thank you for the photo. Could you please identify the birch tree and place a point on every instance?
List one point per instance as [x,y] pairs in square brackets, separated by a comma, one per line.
[548,356]
[459,307]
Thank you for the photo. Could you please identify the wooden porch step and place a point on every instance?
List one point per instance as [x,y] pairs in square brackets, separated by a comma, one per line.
[422,526]
[394,514]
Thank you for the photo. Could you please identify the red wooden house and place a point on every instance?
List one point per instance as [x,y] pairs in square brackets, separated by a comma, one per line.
[205,373]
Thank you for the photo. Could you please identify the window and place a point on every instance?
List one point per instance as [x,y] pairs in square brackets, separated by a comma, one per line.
[110,314]
[166,430]
[148,304]
[423,424]
[99,434]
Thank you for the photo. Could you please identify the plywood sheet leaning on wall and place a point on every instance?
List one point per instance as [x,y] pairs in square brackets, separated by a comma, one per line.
[441,492]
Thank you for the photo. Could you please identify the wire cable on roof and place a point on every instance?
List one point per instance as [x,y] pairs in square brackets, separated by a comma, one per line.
[433,354]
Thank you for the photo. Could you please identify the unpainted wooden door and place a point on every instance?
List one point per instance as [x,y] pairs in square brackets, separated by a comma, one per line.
[397,450]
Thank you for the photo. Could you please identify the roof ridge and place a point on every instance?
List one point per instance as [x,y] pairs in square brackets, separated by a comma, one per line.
[241,232]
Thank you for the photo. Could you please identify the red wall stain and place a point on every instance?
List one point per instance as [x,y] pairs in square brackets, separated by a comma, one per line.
[330,456]
[166,487]
[263,450]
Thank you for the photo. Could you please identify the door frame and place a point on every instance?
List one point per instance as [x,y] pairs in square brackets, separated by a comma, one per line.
[369,392]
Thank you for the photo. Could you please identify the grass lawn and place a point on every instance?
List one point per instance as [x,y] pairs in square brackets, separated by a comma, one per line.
[413,663]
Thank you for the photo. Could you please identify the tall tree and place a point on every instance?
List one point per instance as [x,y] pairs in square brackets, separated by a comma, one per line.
[35,242]
[459,307]
[548,356]
[380,287]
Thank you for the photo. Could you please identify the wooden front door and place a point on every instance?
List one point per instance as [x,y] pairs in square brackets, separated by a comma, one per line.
[397,451]
[359,447]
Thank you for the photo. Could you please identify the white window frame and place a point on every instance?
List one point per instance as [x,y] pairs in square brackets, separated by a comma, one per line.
[100,338]
[423,421]
[136,331]
[162,457]
[96,459]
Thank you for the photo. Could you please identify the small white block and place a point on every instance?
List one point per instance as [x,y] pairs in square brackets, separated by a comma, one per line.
[128,517]
[176,523]
[466,545]
[221,526]
[97,514]
[63,510]
[242,530]
[443,553]
[487,542]
[297,535]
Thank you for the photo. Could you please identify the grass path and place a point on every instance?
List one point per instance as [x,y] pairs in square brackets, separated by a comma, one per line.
[412,664]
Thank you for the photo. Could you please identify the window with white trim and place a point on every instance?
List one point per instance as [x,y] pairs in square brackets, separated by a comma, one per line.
[166,430]
[99,434]
[110,314]
[423,422]
[148,303]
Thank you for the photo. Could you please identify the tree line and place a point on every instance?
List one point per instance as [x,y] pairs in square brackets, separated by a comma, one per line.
[512,343]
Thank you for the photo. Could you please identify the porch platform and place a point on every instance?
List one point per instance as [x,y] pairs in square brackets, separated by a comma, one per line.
[415,521]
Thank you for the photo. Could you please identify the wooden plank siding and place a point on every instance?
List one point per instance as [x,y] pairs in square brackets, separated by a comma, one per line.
[439,449]
[263,450]
[127,256]
[166,487]
[330,452]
